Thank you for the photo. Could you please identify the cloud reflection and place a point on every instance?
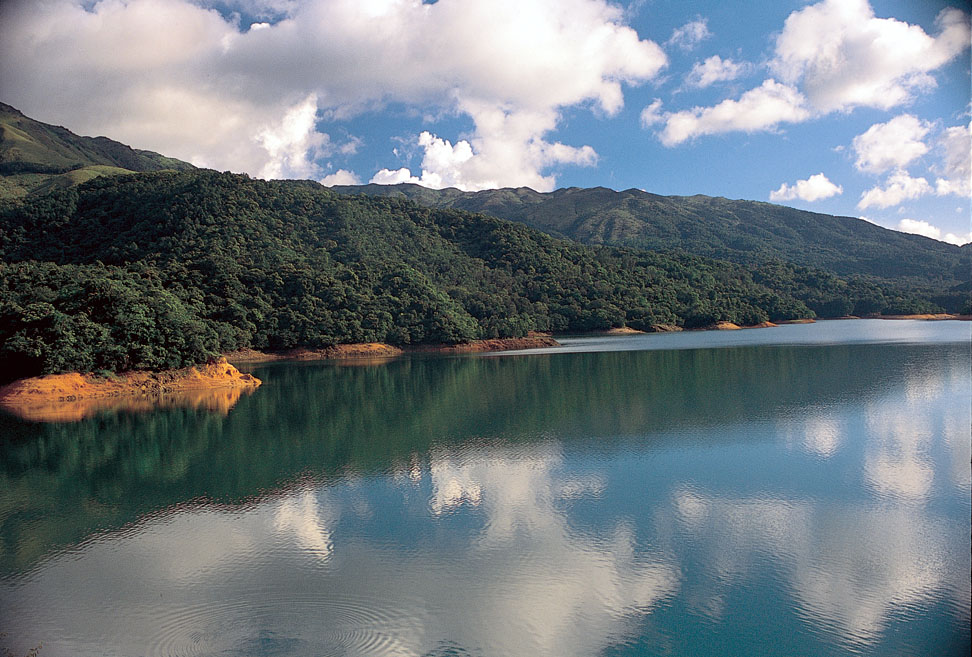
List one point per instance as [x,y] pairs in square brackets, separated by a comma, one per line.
[308,521]
[896,462]
[849,567]
[553,589]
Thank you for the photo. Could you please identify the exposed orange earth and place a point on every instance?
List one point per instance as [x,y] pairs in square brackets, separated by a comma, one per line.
[932,316]
[623,330]
[216,386]
[370,351]
[366,350]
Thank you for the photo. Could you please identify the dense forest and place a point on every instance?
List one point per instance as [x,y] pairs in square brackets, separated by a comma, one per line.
[746,232]
[159,270]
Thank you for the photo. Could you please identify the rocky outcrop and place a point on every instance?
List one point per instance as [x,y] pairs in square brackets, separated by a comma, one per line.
[63,397]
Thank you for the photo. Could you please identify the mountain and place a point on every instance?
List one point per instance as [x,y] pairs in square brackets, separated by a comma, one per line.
[738,231]
[159,270]
[36,157]
[164,268]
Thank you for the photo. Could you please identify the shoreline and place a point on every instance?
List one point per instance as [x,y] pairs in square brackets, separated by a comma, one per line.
[216,386]
[378,351]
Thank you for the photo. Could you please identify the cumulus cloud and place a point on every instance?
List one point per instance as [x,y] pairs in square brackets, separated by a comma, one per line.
[293,143]
[506,155]
[715,69]
[652,114]
[831,56]
[958,240]
[690,35]
[814,188]
[762,108]
[891,145]
[900,187]
[956,146]
[340,177]
[843,56]
[920,227]
[396,177]
[224,95]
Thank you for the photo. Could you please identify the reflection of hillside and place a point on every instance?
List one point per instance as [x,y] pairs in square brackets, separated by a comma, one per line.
[217,400]
[61,482]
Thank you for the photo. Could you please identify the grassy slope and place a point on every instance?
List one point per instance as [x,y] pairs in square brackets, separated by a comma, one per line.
[36,157]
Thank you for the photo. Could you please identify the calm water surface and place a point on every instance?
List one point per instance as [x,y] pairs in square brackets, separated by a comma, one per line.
[803,490]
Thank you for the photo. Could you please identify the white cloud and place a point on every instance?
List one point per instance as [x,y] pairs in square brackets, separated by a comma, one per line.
[652,113]
[920,227]
[293,143]
[831,56]
[690,35]
[506,156]
[762,108]
[891,145]
[396,177]
[340,177]
[218,96]
[843,56]
[814,188]
[957,240]
[956,143]
[259,8]
[715,69]
[900,187]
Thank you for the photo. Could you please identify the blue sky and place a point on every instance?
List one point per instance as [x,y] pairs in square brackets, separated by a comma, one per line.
[845,107]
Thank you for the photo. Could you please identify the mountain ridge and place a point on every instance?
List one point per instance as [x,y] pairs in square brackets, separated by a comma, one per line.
[736,230]
[36,157]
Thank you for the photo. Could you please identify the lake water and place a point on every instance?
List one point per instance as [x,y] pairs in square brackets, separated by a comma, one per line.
[801,490]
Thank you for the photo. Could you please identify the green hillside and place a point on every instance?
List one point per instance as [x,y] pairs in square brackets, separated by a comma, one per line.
[36,157]
[159,270]
[162,268]
[739,231]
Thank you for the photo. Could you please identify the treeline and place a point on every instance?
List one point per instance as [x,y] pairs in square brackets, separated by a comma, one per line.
[161,270]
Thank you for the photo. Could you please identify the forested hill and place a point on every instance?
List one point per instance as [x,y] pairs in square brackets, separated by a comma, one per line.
[36,157]
[158,270]
[739,231]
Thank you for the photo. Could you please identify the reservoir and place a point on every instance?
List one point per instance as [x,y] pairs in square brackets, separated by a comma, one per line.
[801,490]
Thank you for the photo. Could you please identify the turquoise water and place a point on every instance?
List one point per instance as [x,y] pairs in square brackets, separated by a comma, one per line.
[802,490]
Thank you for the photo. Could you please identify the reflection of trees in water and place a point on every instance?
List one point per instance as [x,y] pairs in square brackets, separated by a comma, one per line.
[58,483]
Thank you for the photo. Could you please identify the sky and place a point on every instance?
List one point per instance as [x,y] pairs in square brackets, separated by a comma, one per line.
[845,107]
